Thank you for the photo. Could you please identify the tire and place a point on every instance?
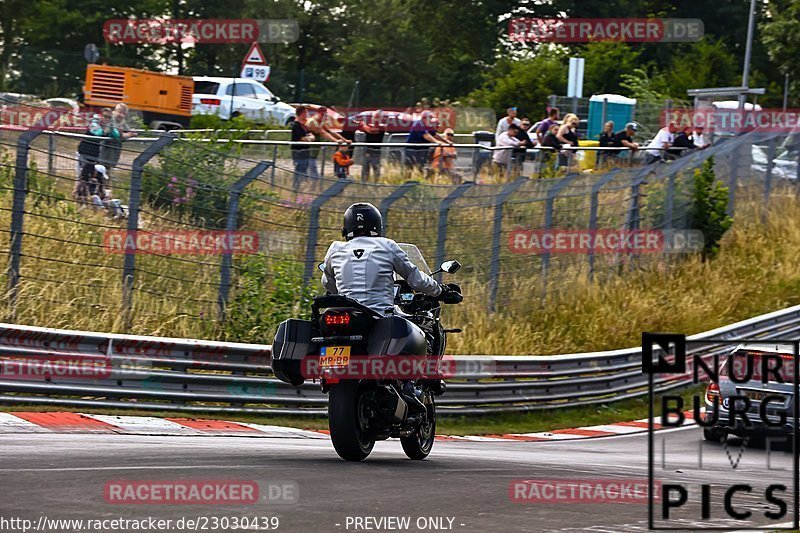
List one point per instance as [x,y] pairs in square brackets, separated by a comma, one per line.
[714,435]
[349,439]
[419,445]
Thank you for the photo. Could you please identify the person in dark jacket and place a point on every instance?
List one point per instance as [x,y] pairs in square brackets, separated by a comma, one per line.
[683,140]
[606,140]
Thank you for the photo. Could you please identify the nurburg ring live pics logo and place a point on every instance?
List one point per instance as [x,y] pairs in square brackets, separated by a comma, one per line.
[722,432]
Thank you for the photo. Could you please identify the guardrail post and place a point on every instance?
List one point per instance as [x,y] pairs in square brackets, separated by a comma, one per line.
[670,203]
[497,226]
[18,211]
[129,266]
[733,183]
[322,163]
[274,163]
[234,194]
[441,234]
[313,225]
[593,208]
[395,195]
[768,178]
[552,193]
[51,154]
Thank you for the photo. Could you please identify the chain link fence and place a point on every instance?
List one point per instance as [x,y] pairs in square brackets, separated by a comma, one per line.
[63,263]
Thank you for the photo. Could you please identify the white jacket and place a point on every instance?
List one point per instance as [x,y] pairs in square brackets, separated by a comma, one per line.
[363,269]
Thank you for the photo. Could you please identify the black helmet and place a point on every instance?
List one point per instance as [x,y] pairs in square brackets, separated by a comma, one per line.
[362,219]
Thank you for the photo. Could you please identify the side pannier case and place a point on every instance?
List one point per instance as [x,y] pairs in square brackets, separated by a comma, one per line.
[291,345]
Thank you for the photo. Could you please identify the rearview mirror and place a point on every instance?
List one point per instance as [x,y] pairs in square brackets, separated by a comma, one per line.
[451,267]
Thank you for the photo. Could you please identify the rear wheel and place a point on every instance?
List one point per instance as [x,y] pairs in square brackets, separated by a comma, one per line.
[420,444]
[347,421]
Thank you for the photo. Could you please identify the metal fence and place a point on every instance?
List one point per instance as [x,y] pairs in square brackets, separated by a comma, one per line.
[202,376]
[60,265]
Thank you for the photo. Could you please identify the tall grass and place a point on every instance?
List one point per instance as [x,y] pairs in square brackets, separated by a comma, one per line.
[756,271]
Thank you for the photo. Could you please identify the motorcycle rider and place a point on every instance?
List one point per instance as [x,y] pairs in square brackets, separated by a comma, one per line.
[363,267]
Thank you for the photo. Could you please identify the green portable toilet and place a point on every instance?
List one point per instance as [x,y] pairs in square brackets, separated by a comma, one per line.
[619,109]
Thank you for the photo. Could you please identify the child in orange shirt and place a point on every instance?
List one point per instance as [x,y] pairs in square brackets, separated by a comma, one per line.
[342,162]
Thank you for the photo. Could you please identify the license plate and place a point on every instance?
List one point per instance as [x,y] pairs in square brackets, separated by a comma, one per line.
[760,395]
[330,356]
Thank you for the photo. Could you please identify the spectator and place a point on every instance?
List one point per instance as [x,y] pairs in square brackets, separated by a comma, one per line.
[117,131]
[444,158]
[305,166]
[423,132]
[506,121]
[544,126]
[93,187]
[683,140]
[568,135]
[374,130]
[89,149]
[508,140]
[699,139]
[624,138]
[606,141]
[318,123]
[656,150]
[525,142]
[342,162]
[550,140]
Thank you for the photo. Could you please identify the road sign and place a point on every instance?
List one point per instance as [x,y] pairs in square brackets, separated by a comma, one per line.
[90,53]
[255,72]
[255,56]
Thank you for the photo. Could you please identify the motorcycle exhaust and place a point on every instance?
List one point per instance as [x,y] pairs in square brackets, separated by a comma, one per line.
[395,407]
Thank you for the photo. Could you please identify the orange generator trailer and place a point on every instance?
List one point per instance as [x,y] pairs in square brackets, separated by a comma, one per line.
[165,101]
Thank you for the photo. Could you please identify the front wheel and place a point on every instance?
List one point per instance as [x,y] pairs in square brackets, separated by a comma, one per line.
[347,420]
[418,445]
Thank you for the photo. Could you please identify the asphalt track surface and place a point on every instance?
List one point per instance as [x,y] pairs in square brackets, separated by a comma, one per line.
[62,476]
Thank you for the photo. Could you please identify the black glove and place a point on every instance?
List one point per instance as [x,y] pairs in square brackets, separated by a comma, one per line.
[451,294]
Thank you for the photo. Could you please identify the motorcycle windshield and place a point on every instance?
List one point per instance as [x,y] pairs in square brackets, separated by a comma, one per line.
[416,257]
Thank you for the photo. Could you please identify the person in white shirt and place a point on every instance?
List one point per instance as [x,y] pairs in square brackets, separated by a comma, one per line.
[663,140]
[507,139]
[699,138]
[506,122]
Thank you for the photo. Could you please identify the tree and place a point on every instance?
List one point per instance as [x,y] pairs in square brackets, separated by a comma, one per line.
[606,62]
[525,83]
[706,63]
[781,36]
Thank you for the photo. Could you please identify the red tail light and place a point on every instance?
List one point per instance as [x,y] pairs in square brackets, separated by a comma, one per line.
[336,319]
[210,101]
[711,392]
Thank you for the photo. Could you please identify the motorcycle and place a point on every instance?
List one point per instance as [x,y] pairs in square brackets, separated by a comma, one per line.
[366,406]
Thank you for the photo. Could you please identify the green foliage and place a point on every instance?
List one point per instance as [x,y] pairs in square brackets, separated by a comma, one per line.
[214,122]
[706,63]
[269,291]
[708,209]
[525,83]
[781,37]
[193,178]
[606,63]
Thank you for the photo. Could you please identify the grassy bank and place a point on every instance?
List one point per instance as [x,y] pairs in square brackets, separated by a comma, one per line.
[756,272]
